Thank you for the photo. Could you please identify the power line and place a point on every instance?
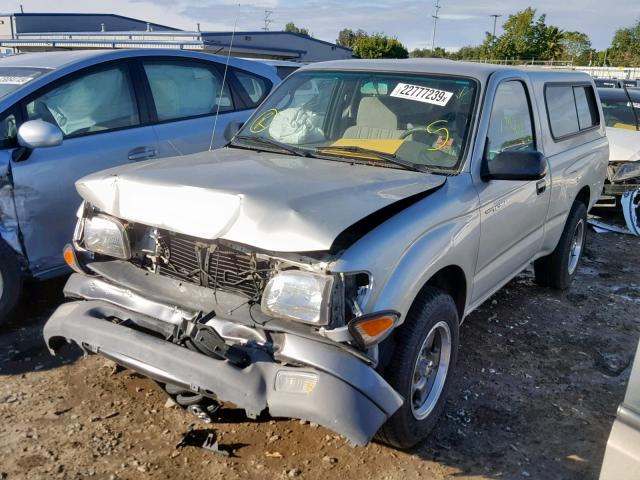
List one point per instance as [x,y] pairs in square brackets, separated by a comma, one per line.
[435,23]
[267,20]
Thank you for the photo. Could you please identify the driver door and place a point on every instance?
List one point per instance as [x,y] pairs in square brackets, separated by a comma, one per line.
[97,111]
[512,213]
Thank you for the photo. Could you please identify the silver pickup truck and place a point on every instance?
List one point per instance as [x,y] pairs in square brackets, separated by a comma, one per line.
[320,266]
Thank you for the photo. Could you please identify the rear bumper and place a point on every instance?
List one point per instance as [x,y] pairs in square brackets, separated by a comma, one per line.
[349,397]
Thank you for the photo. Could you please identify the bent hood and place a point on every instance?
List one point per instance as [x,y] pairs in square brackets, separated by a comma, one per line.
[624,145]
[273,202]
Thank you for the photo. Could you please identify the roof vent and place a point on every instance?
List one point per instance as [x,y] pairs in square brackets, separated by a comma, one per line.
[102,29]
[148,27]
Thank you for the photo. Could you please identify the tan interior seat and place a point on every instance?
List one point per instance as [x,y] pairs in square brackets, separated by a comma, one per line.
[374,120]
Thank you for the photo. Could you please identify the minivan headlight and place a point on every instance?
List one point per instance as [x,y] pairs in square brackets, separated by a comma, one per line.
[107,236]
[298,295]
[626,171]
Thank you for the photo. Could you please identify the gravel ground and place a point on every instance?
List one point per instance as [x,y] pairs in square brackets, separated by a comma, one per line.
[539,378]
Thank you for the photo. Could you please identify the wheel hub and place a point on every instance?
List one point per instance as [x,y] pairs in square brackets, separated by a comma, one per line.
[575,249]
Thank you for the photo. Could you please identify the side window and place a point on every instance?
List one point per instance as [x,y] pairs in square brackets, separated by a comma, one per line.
[94,102]
[510,123]
[183,89]
[572,108]
[256,87]
[8,130]
[586,106]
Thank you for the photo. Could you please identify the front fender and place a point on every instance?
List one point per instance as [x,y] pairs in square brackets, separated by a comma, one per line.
[404,252]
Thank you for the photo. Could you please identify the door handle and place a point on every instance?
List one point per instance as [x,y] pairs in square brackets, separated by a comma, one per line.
[142,153]
[541,186]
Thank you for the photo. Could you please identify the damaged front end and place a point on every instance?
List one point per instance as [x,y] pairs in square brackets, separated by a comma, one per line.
[622,177]
[264,331]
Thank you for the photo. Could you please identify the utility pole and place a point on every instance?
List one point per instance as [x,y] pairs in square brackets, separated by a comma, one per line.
[435,23]
[267,20]
[495,19]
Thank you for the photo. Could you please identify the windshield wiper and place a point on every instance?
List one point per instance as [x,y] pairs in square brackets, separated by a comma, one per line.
[301,152]
[387,157]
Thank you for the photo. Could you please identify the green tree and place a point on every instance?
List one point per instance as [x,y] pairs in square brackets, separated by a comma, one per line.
[625,47]
[347,37]
[378,45]
[577,47]
[291,27]
[438,52]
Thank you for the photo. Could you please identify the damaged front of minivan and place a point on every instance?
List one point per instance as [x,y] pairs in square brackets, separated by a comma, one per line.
[257,274]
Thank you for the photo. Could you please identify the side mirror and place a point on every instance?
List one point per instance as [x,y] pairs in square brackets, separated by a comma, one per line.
[514,165]
[38,134]
[231,129]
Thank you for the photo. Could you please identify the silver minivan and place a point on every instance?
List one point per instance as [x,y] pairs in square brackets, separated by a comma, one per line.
[64,115]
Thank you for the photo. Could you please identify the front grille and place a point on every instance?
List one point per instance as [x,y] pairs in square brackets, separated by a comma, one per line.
[211,265]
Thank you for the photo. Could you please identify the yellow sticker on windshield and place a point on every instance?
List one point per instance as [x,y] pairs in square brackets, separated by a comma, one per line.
[263,121]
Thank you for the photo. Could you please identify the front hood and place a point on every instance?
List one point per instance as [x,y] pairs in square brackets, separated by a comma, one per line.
[624,145]
[274,202]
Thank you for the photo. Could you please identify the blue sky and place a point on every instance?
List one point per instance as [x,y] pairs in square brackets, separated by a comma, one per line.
[462,22]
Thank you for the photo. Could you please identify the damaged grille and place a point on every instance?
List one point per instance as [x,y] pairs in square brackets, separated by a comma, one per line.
[211,265]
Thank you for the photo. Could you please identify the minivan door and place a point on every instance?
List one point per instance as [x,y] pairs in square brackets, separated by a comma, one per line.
[512,213]
[98,113]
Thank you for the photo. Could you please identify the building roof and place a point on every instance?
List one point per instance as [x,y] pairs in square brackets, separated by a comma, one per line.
[112,15]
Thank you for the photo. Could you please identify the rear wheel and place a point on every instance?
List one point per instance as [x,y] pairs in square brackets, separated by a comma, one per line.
[10,281]
[558,269]
[426,347]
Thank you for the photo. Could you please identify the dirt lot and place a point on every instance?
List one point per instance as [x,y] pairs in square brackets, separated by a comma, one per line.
[540,376]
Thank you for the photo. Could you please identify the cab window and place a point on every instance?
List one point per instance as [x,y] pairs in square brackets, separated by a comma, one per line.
[91,103]
[510,126]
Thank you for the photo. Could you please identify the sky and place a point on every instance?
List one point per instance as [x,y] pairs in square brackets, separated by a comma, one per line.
[462,22]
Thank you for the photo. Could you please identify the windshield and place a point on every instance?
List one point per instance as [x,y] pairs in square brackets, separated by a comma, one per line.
[12,78]
[620,113]
[421,120]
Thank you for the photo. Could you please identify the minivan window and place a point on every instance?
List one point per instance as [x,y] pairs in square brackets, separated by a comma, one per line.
[571,108]
[256,87]
[510,125]
[186,89]
[93,102]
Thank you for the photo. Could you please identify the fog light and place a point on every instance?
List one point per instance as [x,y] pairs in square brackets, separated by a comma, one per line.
[288,381]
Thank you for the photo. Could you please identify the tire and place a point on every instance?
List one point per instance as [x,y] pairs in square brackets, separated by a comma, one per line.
[433,311]
[10,281]
[558,269]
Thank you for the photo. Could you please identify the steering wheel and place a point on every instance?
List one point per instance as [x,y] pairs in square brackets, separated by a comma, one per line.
[411,131]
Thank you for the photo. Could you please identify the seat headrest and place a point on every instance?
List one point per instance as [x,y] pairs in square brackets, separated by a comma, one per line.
[373,113]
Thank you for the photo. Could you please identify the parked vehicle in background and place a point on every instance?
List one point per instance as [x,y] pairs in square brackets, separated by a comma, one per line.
[616,83]
[283,67]
[320,266]
[64,115]
[621,108]
[622,456]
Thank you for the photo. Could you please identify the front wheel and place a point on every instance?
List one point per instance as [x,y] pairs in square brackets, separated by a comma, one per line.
[558,269]
[421,367]
[10,281]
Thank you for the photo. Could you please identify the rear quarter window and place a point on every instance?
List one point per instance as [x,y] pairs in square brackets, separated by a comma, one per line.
[572,109]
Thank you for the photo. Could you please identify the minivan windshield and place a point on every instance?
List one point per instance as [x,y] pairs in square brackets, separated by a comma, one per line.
[392,119]
[12,78]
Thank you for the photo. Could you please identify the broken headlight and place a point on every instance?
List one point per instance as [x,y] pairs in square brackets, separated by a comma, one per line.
[298,295]
[107,236]
[626,171]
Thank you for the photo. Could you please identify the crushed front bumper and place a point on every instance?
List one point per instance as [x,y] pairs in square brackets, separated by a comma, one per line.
[349,397]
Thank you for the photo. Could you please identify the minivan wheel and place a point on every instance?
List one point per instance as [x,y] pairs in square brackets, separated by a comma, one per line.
[558,269]
[10,281]
[421,367]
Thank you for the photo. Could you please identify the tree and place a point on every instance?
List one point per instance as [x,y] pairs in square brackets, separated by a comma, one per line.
[625,47]
[577,47]
[347,37]
[438,52]
[291,27]
[378,45]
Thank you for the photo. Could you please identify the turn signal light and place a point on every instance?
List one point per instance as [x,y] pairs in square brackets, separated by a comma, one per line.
[371,329]
[69,255]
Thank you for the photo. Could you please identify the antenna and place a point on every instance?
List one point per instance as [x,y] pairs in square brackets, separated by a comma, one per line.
[224,79]
[435,23]
[267,20]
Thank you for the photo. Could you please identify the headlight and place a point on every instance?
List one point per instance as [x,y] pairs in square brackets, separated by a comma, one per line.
[106,235]
[626,171]
[298,295]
